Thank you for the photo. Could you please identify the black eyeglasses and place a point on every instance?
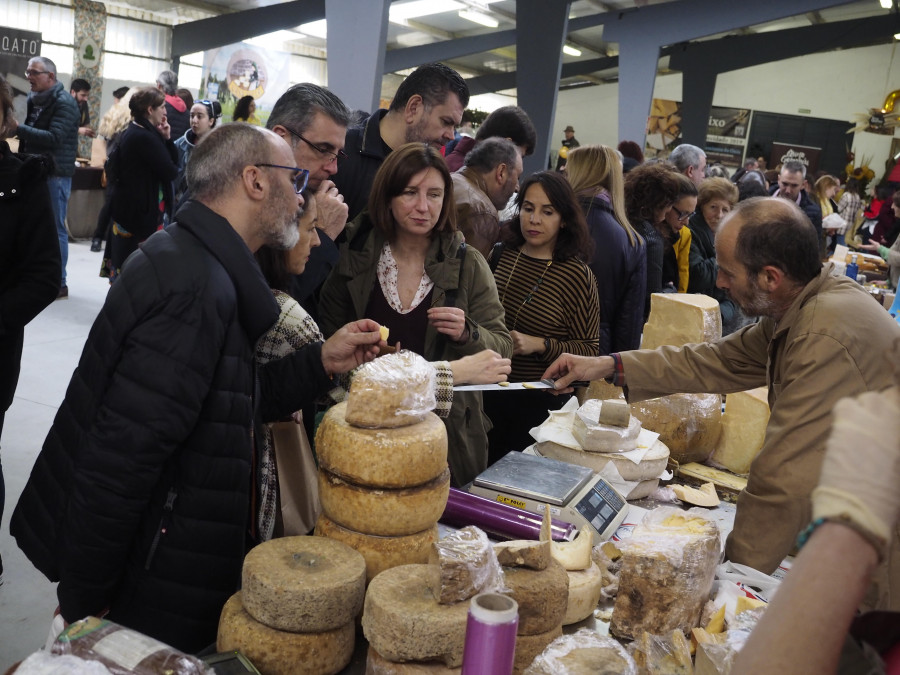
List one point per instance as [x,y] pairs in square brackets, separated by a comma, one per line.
[330,154]
[300,179]
[683,215]
[30,72]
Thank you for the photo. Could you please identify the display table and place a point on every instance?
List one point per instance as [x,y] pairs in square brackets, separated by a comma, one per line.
[85,201]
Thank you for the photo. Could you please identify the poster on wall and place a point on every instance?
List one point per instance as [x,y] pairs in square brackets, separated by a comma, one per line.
[663,128]
[806,155]
[726,135]
[17,47]
[235,71]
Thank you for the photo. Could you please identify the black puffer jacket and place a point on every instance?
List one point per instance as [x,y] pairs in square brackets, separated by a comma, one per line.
[366,152]
[621,272]
[29,257]
[139,500]
[54,132]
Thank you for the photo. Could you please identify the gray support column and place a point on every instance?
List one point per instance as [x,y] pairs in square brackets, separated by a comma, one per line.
[357,33]
[541,27]
[698,84]
[638,57]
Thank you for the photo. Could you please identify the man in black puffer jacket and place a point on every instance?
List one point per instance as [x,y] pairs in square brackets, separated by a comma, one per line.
[139,503]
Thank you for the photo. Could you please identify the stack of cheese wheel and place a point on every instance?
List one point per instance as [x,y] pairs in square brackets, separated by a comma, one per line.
[383,486]
[297,607]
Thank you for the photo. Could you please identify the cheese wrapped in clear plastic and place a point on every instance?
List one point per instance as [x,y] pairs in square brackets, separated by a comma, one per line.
[593,436]
[669,653]
[668,568]
[689,424]
[392,391]
[584,652]
[466,564]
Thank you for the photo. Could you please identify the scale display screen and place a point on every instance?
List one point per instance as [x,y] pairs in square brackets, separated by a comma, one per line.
[600,505]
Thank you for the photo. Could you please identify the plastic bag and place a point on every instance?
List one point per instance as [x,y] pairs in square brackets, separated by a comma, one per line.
[666,654]
[467,565]
[689,424]
[393,391]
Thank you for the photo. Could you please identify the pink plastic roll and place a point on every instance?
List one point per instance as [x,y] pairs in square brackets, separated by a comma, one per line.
[490,646]
[500,520]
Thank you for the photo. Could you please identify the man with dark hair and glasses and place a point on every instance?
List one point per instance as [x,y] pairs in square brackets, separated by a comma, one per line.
[314,122]
[155,435]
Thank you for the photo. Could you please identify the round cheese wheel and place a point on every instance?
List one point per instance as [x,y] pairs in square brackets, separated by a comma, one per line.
[403,620]
[541,595]
[529,646]
[376,664]
[381,553]
[643,489]
[390,458]
[388,512]
[650,467]
[303,584]
[275,652]
[584,593]
[689,424]
[393,391]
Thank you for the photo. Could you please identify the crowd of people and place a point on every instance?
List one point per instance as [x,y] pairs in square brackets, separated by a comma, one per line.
[260,262]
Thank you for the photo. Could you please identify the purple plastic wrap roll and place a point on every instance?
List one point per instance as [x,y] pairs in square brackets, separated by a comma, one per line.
[490,646]
[500,520]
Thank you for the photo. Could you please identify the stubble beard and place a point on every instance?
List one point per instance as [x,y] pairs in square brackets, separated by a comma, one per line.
[282,232]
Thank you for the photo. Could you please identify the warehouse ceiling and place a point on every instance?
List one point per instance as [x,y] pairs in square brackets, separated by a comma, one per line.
[421,22]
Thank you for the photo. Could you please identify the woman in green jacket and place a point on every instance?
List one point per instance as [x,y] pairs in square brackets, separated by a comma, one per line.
[405,265]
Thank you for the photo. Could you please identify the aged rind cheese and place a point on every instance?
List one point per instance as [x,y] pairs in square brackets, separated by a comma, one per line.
[680,319]
[376,664]
[392,458]
[381,553]
[303,584]
[593,436]
[575,554]
[464,564]
[393,391]
[668,566]
[529,646]
[276,652]
[743,430]
[615,412]
[602,390]
[387,512]
[522,553]
[403,620]
[585,587]
[689,424]
[651,466]
[541,596]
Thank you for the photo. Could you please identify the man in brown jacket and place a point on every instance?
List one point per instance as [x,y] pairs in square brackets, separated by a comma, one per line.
[820,338]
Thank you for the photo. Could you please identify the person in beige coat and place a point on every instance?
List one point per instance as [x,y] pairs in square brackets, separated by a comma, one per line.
[820,338]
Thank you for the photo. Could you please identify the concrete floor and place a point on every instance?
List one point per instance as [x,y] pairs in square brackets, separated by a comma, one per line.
[53,344]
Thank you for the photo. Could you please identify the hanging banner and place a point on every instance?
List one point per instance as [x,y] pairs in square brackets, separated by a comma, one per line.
[726,136]
[235,71]
[806,155]
[17,47]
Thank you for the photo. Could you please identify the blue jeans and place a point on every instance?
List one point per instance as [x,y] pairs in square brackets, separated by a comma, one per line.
[60,189]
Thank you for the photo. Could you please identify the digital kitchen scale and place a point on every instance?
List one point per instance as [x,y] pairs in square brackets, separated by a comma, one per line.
[573,493]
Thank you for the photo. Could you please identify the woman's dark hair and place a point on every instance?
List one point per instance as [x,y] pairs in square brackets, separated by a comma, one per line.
[650,188]
[747,189]
[852,186]
[573,240]
[6,104]
[213,110]
[631,149]
[143,98]
[394,176]
[273,262]
[242,109]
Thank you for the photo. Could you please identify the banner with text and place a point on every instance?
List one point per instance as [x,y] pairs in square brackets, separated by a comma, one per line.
[726,136]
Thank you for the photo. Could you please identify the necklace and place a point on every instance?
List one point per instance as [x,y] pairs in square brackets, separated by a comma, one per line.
[534,289]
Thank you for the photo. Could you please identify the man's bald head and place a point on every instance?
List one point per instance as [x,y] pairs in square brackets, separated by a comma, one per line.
[774,232]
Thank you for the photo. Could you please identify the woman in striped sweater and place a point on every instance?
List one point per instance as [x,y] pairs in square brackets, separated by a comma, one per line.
[549,296]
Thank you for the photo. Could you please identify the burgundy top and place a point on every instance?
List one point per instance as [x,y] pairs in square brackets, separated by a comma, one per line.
[407,329]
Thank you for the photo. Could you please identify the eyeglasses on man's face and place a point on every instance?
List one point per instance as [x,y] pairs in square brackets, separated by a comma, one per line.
[325,152]
[682,215]
[31,72]
[300,179]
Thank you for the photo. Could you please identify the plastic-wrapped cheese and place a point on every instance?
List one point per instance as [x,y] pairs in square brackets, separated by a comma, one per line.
[594,436]
[388,512]
[583,653]
[303,584]
[391,458]
[393,391]
[680,319]
[276,652]
[381,553]
[465,564]
[743,430]
[529,646]
[689,424]
[650,467]
[403,621]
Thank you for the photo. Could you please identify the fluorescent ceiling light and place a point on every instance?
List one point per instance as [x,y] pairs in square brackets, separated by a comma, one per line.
[478,17]
[419,8]
[278,37]
[315,29]
[897,36]
[887,4]
[571,51]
